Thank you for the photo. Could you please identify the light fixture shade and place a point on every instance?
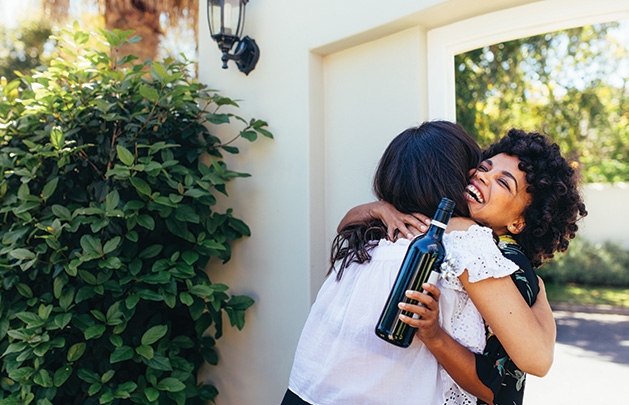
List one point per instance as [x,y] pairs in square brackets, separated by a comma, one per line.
[226,19]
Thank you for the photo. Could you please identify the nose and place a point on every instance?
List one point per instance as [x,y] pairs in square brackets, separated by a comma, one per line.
[481,176]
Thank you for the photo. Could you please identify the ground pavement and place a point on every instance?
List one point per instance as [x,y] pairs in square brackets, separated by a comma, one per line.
[591,359]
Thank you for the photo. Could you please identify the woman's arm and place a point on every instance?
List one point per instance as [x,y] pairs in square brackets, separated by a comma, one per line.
[527,333]
[408,225]
[455,358]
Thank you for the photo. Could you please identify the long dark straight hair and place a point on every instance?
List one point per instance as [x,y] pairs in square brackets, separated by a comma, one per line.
[419,167]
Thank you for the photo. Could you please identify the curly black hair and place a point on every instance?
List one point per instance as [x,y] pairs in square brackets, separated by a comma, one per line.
[556,203]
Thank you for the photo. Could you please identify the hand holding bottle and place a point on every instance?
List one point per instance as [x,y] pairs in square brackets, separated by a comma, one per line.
[427,308]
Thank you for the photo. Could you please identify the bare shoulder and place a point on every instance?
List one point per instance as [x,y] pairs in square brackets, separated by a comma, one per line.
[460,224]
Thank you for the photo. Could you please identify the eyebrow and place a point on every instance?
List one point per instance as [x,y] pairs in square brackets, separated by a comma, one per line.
[506,173]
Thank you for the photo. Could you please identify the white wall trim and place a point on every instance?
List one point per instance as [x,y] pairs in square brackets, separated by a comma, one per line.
[524,21]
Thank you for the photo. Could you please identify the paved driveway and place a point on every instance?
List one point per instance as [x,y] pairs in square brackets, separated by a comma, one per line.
[591,361]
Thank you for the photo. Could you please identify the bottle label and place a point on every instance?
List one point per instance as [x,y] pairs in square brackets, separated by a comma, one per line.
[433,278]
[438,224]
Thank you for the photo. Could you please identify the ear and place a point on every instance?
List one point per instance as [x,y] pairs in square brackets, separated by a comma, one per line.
[517,226]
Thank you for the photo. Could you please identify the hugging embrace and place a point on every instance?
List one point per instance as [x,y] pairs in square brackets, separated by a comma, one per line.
[480,330]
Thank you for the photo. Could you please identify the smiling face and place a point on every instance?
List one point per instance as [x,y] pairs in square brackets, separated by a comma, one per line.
[497,194]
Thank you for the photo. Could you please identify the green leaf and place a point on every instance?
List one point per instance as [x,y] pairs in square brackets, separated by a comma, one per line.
[116,340]
[98,315]
[61,212]
[42,377]
[171,384]
[106,397]
[94,389]
[107,376]
[76,351]
[31,319]
[62,320]
[94,332]
[264,132]
[209,355]
[61,376]
[56,138]
[150,252]
[123,390]
[146,221]
[186,298]
[151,394]
[159,362]
[201,290]
[44,311]
[154,334]
[88,277]
[239,226]
[21,373]
[125,156]
[15,347]
[141,186]
[22,254]
[132,300]
[149,93]
[249,135]
[24,290]
[88,376]
[91,245]
[240,302]
[121,353]
[218,119]
[145,351]
[111,245]
[49,188]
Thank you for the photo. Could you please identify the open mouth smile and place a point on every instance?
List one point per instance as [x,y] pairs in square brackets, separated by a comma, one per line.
[474,193]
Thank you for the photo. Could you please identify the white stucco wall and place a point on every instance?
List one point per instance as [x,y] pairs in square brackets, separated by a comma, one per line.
[608,218]
[336,80]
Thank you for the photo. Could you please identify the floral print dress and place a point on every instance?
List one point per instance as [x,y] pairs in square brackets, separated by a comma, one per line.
[494,367]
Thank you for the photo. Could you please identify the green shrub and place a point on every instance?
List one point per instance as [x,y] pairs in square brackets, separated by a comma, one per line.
[591,264]
[108,183]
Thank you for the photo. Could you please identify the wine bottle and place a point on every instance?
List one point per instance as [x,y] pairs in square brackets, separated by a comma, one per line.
[421,264]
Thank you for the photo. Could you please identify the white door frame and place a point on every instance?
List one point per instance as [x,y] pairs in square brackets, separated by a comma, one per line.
[524,21]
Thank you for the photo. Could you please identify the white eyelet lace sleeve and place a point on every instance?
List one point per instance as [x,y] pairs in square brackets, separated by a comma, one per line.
[474,250]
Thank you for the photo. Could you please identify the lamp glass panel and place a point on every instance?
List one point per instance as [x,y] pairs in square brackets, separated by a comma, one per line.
[231,19]
[214,10]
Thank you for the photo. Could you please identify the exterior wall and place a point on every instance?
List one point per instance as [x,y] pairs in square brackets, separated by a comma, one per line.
[608,218]
[336,81]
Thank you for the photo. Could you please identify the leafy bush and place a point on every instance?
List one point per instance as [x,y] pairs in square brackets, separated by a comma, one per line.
[108,183]
[591,264]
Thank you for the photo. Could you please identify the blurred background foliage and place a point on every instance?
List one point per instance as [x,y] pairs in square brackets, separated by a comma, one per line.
[571,85]
[168,28]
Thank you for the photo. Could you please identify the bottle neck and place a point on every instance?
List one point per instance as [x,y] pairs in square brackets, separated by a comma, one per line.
[439,223]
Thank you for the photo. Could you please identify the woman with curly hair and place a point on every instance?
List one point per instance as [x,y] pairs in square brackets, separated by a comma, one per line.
[528,236]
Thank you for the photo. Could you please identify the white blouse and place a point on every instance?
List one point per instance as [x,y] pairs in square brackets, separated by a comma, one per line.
[339,359]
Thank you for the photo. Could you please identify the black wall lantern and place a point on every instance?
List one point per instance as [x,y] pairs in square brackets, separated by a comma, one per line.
[227,19]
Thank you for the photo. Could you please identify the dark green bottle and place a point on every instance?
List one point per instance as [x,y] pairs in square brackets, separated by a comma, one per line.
[421,264]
